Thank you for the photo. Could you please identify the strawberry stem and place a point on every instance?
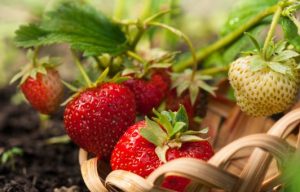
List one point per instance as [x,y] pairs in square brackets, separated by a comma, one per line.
[82,71]
[213,70]
[226,40]
[136,57]
[138,36]
[35,56]
[271,31]
[184,37]
[69,86]
[157,15]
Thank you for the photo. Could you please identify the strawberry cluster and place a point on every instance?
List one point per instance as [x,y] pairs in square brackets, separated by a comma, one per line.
[101,117]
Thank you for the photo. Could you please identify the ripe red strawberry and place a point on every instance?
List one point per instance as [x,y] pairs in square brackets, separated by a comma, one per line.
[44,92]
[97,117]
[148,94]
[199,108]
[138,153]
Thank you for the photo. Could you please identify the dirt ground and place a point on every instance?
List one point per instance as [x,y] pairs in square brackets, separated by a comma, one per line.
[42,167]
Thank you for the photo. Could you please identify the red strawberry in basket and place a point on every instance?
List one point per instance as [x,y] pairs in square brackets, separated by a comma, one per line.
[98,116]
[148,93]
[148,144]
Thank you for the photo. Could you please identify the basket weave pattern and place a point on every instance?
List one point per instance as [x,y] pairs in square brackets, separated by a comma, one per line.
[249,151]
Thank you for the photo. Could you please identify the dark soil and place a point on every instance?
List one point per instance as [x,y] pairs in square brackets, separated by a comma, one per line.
[42,167]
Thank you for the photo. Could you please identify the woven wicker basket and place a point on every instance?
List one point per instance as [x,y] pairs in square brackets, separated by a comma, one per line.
[248,154]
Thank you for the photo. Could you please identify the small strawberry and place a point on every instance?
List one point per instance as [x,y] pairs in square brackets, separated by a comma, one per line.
[44,92]
[148,144]
[265,85]
[148,93]
[41,83]
[98,116]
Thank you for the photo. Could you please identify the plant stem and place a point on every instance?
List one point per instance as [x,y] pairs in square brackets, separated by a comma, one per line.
[35,56]
[214,70]
[136,57]
[185,38]
[205,52]
[82,71]
[157,15]
[138,36]
[270,34]
[99,63]
[141,26]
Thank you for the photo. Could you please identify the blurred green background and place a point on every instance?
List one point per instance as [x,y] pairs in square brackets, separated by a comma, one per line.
[199,19]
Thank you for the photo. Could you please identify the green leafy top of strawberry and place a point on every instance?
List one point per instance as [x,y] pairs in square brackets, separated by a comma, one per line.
[186,81]
[35,66]
[153,59]
[169,130]
[277,57]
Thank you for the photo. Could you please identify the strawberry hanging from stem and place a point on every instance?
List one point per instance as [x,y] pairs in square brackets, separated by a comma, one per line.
[41,83]
[266,81]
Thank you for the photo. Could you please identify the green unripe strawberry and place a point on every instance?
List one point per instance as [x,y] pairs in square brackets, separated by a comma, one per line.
[265,87]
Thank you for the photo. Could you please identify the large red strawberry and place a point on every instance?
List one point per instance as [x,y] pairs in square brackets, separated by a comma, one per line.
[97,117]
[44,91]
[148,144]
[148,93]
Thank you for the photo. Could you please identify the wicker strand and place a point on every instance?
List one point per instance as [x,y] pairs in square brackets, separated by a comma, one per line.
[91,177]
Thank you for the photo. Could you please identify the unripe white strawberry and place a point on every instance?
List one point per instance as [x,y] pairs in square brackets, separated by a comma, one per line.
[263,88]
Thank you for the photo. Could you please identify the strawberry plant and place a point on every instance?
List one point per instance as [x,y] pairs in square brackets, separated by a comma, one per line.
[257,50]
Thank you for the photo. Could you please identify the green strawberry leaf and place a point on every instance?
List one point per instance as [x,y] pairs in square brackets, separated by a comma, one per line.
[84,28]
[253,40]
[153,133]
[191,138]
[164,121]
[169,115]
[257,63]
[160,66]
[180,88]
[32,35]
[194,91]
[280,46]
[178,127]
[181,116]
[70,86]
[285,55]
[103,76]
[278,67]
[192,132]
[184,82]
[290,31]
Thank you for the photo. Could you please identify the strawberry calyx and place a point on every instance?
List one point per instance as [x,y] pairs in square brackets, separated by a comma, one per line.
[169,130]
[145,62]
[277,58]
[183,82]
[35,66]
